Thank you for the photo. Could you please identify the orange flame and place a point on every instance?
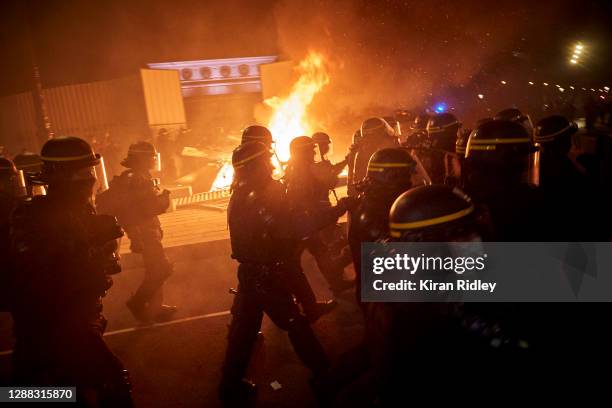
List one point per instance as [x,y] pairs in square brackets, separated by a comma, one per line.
[224,178]
[289,118]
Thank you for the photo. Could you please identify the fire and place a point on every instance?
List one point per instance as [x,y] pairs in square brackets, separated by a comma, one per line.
[289,118]
[224,178]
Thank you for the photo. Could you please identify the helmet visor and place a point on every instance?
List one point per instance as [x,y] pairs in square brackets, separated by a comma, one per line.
[420,176]
[101,177]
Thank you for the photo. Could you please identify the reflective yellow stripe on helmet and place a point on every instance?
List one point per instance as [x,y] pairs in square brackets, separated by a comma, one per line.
[482,147]
[500,141]
[389,165]
[68,158]
[431,221]
[437,129]
[551,136]
[27,166]
[242,162]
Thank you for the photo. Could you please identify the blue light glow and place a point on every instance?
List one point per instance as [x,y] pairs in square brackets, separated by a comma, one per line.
[440,107]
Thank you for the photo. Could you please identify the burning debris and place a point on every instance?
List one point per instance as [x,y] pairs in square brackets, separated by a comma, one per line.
[289,117]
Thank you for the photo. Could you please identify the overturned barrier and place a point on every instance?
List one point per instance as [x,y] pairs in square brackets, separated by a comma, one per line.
[199,198]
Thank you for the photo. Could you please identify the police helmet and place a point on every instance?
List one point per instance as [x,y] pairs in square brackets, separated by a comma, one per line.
[431,213]
[257,133]
[28,162]
[302,147]
[249,155]
[376,127]
[443,122]
[515,115]
[497,140]
[321,138]
[512,114]
[7,167]
[391,165]
[140,153]
[554,128]
[68,157]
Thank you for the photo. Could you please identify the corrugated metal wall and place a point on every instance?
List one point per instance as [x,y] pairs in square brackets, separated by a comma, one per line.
[163,98]
[131,108]
[81,110]
[18,122]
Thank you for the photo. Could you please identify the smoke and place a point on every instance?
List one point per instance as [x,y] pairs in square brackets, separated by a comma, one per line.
[389,54]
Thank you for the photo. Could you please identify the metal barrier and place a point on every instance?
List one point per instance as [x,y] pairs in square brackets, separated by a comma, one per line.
[200,198]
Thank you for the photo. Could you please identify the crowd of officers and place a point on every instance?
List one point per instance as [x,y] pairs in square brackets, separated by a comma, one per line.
[59,253]
[504,180]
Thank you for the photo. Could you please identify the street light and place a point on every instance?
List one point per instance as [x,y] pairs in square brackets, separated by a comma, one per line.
[576,53]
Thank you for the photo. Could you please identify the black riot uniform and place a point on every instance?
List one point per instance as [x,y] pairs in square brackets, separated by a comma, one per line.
[64,255]
[414,343]
[135,198]
[442,131]
[299,283]
[12,190]
[499,157]
[335,236]
[389,175]
[376,134]
[264,234]
[308,187]
[565,189]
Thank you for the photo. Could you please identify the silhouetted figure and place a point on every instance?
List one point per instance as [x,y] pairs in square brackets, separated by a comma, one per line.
[264,233]
[63,259]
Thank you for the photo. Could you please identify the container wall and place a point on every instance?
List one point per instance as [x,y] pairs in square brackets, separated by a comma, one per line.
[163,98]
[18,123]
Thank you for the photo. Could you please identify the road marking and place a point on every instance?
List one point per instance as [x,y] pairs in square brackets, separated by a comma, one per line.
[150,326]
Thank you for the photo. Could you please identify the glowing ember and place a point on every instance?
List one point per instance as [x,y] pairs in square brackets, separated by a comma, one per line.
[289,118]
[224,177]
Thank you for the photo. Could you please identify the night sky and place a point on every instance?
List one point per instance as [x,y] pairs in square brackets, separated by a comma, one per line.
[390,43]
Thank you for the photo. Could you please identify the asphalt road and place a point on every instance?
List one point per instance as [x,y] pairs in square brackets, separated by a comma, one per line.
[178,364]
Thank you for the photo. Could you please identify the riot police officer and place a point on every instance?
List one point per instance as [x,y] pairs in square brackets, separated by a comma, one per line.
[264,234]
[455,179]
[408,343]
[135,198]
[564,186]
[308,187]
[442,132]
[12,189]
[324,143]
[554,135]
[376,134]
[498,161]
[389,174]
[63,258]
[417,134]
